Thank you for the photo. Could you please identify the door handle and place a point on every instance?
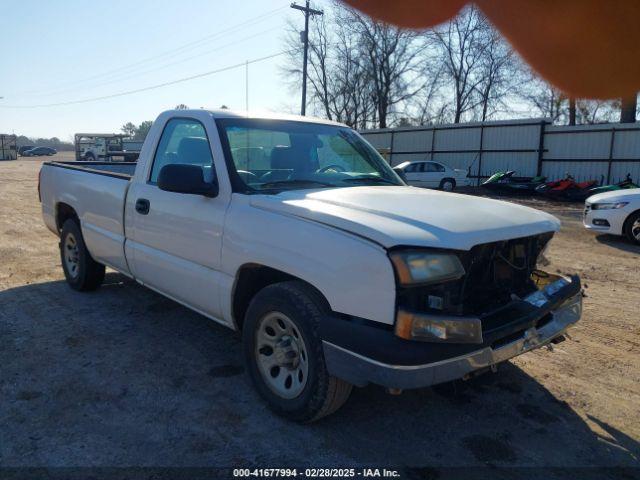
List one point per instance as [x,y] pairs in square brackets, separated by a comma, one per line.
[142,206]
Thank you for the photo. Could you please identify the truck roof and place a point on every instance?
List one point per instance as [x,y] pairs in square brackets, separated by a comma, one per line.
[257,114]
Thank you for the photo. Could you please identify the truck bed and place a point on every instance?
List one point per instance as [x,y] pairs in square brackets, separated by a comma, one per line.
[124,170]
[97,192]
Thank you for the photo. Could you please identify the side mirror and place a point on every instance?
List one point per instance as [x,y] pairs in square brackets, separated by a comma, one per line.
[184,178]
[401,174]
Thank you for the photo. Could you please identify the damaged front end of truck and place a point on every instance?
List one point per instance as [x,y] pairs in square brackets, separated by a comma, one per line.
[460,312]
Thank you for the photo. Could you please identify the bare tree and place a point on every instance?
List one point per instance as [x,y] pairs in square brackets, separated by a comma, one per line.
[549,102]
[496,71]
[429,105]
[391,54]
[319,53]
[368,74]
[359,69]
[597,111]
[336,75]
[542,98]
[355,102]
[460,49]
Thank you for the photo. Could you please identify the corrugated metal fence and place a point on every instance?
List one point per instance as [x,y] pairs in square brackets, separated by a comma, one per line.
[604,152]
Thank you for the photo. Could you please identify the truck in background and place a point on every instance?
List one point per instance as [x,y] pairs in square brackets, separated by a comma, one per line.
[93,147]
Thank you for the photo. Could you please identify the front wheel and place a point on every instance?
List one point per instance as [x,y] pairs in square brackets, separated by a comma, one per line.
[82,272]
[632,227]
[283,353]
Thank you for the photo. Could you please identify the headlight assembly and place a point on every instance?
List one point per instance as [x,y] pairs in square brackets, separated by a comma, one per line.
[438,328]
[415,267]
[608,206]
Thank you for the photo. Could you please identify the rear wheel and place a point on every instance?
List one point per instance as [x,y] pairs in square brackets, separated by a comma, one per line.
[447,184]
[283,353]
[82,272]
[632,227]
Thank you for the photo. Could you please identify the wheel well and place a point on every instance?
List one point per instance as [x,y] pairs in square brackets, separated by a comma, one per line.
[63,213]
[627,220]
[252,278]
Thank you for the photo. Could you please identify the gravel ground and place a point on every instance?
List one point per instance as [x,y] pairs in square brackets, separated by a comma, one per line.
[124,377]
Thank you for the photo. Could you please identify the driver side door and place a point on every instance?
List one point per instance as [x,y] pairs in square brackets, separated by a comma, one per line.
[176,238]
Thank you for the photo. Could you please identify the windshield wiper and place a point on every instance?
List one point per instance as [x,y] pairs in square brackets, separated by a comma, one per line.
[295,183]
[370,179]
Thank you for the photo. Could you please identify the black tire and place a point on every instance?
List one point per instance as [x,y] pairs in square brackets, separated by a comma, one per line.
[631,228]
[448,184]
[322,393]
[85,274]
[90,157]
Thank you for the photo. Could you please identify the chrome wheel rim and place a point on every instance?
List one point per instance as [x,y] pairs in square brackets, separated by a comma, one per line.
[72,255]
[447,186]
[635,229]
[281,355]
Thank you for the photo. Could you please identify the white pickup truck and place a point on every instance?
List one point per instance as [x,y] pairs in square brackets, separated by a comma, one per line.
[297,233]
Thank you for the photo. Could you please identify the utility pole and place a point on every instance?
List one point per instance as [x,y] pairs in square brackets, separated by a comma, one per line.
[308,11]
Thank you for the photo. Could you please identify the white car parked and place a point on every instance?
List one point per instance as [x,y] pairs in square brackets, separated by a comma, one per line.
[616,212]
[433,175]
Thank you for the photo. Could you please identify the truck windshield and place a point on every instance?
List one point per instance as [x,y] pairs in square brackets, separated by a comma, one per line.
[285,155]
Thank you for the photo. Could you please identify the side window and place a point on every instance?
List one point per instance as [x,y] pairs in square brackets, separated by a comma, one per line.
[183,141]
[411,168]
[420,167]
[434,167]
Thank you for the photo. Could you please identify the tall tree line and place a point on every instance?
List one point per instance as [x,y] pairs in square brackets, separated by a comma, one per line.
[371,75]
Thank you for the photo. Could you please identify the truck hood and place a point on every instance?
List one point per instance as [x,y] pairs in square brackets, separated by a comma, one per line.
[394,216]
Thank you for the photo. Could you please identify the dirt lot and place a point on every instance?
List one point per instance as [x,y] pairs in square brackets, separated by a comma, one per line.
[124,377]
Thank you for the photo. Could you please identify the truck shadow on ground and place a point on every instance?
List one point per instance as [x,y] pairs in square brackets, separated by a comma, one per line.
[123,376]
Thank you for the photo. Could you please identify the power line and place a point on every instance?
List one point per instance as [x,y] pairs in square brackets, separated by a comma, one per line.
[161,67]
[167,54]
[151,87]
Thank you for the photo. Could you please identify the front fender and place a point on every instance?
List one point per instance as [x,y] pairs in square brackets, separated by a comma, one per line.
[354,275]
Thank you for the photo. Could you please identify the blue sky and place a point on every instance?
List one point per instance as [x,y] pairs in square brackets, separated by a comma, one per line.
[69,50]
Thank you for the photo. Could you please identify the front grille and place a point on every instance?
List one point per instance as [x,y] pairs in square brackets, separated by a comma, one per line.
[495,273]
